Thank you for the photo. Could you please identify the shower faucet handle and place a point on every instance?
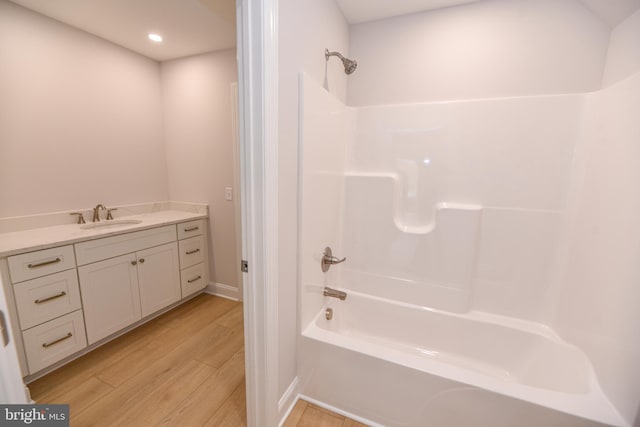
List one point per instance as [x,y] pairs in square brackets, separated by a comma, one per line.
[328,259]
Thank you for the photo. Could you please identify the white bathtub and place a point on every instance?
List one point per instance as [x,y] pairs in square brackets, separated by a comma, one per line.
[523,361]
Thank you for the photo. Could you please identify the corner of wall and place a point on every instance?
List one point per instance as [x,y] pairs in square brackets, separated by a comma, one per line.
[623,55]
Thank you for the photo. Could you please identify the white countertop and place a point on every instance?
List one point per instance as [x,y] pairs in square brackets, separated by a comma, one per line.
[42,238]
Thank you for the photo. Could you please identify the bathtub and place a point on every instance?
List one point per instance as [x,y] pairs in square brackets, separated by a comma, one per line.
[484,361]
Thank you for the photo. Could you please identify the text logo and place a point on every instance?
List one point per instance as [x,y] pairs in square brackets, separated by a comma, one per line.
[34,415]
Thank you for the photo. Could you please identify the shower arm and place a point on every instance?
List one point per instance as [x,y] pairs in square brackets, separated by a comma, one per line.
[327,54]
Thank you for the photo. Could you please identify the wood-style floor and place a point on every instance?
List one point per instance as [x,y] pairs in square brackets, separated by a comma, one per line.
[184,368]
[306,414]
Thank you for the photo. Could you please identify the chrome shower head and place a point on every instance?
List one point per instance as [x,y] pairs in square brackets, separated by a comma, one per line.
[349,64]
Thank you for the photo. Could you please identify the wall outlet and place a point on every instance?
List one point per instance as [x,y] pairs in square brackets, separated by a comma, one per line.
[228,193]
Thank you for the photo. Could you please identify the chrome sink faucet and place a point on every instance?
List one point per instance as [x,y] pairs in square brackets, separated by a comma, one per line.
[96,212]
[334,293]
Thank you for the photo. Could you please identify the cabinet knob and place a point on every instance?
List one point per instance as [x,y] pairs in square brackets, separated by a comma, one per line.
[141,260]
[134,262]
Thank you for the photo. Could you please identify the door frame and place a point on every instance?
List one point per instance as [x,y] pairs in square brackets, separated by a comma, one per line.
[258,127]
[12,389]
[236,186]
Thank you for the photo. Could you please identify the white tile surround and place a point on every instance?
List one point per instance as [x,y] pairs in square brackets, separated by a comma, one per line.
[20,234]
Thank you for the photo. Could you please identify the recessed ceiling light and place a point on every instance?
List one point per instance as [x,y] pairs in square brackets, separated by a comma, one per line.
[155,37]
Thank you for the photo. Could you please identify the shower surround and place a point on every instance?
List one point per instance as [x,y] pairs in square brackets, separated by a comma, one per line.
[460,222]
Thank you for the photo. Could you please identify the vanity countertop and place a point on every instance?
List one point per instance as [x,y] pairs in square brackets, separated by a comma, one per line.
[47,237]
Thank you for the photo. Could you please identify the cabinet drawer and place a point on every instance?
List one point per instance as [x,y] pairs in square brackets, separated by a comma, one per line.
[191,251]
[193,279]
[110,247]
[53,341]
[48,297]
[190,229]
[40,263]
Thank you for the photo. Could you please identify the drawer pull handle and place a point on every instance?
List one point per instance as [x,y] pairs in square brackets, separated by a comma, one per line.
[49,344]
[40,301]
[193,251]
[191,229]
[134,262]
[42,264]
[194,279]
[141,260]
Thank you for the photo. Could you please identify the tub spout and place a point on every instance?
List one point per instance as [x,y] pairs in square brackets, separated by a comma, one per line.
[334,293]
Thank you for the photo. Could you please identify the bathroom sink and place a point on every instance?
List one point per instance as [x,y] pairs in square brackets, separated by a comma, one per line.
[111,223]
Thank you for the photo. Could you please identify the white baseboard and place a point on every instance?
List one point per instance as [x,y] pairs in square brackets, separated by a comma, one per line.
[288,401]
[224,291]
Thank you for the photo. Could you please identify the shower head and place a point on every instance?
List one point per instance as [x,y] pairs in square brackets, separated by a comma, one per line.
[349,64]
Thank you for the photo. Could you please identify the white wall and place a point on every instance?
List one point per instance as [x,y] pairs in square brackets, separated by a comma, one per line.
[306,28]
[80,119]
[198,132]
[486,49]
[83,121]
[623,57]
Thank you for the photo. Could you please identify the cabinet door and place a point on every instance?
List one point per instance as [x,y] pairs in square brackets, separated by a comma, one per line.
[110,295]
[159,277]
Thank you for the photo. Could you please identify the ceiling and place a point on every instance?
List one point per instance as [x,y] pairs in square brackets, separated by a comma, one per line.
[358,11]
[612,11]
[189,27]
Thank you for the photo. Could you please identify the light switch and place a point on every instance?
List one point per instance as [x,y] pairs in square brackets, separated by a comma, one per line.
[228,193]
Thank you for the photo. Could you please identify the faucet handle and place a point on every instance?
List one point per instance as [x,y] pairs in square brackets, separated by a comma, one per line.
[328,260]
[109,216]
[80,217]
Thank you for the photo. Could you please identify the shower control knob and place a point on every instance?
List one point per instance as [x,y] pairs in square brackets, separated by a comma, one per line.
[328,259]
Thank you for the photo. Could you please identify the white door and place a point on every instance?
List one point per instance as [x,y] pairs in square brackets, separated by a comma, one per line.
[110,295]
[158,277]
[12,388]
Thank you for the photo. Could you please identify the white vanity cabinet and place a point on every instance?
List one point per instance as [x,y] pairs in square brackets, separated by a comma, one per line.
[123,288]
[69,299]
[193,274]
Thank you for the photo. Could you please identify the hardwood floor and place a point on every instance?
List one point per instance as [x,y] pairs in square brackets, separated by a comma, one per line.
[184,368]
[306,414]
